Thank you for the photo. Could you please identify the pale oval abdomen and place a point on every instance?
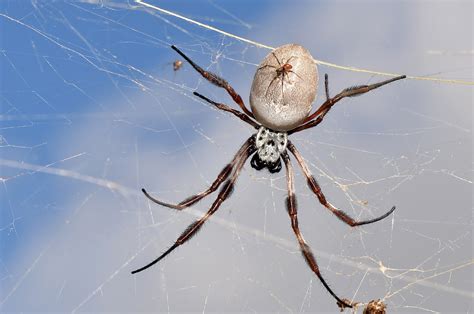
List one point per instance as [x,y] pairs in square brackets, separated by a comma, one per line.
[284,88]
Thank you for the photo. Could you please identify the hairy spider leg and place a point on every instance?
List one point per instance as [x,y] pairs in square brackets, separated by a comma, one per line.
[224,193]
[218,81]
[224,107]
[326,86]
[305,249]
[353,91]
[221,177]
[314,186]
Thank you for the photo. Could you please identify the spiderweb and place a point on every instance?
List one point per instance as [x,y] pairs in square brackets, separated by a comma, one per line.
[92,111]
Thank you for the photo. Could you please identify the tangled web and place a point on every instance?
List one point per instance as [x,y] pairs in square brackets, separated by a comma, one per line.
[92,111]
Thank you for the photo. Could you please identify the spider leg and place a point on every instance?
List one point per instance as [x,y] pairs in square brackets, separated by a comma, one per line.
[267,66]
[282,84]
[274,55]
[216,80]
[305,249]
[283,75]
[271,82]
[319,114]
[288,60]
[221,177]
[224,107]
[291,71]
[326,86]
[314,186]
[193,228]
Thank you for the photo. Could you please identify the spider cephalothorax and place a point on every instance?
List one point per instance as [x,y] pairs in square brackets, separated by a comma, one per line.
[278,110]
[270,145]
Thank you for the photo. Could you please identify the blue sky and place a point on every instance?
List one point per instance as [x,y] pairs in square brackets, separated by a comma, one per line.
[92,111]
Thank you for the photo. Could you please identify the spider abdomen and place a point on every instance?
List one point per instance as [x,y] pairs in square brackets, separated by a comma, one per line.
[284,88]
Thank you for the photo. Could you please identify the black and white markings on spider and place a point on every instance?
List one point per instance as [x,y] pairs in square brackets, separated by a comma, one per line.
[270,145]
[283,90]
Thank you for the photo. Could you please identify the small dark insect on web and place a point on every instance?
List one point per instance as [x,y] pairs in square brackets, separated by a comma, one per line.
[177,65]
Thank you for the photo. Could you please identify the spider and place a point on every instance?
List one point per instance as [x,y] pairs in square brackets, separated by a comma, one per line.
[275,119]
[283,70]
